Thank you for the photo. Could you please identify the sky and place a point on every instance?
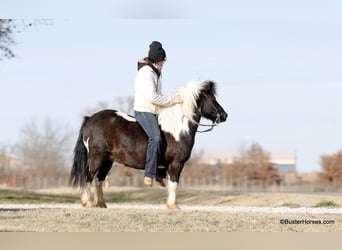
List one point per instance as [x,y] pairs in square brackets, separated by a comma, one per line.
[277,65]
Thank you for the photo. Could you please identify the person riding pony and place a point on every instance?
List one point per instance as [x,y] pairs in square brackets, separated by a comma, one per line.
[148,96]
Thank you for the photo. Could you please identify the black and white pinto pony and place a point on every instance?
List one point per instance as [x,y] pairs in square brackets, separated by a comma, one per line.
[112,136]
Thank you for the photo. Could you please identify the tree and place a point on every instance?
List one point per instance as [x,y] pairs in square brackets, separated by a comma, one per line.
[124,104]
[6,29]
[331,168]
[45,148]
[253,164]
[195,169]
[9,26]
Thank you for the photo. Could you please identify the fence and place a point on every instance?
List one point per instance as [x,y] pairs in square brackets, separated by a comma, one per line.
[242,186]
[209,184]
[32,182]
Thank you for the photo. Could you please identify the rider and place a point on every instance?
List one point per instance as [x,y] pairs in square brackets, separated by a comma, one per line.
[147,96]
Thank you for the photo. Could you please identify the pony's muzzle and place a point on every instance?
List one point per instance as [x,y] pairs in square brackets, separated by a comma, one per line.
[221,117]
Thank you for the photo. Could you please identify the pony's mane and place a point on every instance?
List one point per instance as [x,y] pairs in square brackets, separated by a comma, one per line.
[175,119]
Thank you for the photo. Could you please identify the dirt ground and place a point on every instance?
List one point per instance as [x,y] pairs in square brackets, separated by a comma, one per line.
[135,219]
[144,220]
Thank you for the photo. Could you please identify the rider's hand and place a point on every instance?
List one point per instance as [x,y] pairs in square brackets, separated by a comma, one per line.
[177,99]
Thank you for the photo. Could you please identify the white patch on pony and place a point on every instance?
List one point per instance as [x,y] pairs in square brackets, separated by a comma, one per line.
[86,144]
[174,119]
[171,199]
[85,195]
[125,116]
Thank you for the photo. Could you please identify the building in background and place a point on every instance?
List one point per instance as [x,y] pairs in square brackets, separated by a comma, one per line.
[283,160]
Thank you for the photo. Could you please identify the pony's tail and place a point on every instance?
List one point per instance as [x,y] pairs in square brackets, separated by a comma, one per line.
[79,171]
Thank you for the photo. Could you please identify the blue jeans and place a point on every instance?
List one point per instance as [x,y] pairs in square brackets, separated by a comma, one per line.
[149,123]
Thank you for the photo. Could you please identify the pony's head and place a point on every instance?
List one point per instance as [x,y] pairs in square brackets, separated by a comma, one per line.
[199,99]
[208,105]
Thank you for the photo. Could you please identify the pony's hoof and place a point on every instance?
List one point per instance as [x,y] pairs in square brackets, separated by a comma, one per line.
[160,181]
[101,205]
[172,206]
[88,204]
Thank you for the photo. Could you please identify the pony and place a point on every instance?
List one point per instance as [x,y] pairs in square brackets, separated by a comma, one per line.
[110,136]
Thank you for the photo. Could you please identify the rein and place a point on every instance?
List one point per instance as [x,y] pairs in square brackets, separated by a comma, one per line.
[204,125]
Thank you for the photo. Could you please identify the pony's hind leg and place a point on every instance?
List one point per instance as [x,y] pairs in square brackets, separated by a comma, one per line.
[85,195]
[98,196]
[94,163]
[101,176]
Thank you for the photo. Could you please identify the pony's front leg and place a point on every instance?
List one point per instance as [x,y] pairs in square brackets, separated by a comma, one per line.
[174,170]
[98,196]
[85,195]
[171,198]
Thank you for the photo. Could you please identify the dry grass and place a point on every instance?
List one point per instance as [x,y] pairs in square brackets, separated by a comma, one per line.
[137,220]
[157,195]
[162,220]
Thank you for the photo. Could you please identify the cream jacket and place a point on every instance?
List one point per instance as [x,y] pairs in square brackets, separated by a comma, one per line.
[147,91]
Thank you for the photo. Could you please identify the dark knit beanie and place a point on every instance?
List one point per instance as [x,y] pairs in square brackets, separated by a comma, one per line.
[156,52]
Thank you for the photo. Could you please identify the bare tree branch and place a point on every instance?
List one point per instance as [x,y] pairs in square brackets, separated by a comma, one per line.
[252,164]
[10,26]
[124,104]
[6,28]
[331,168]
[45,148]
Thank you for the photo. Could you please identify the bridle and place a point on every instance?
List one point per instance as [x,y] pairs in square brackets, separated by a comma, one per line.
[215,123]
[206,125]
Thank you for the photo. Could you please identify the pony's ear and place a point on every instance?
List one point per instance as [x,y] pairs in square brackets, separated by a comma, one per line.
[209,87]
